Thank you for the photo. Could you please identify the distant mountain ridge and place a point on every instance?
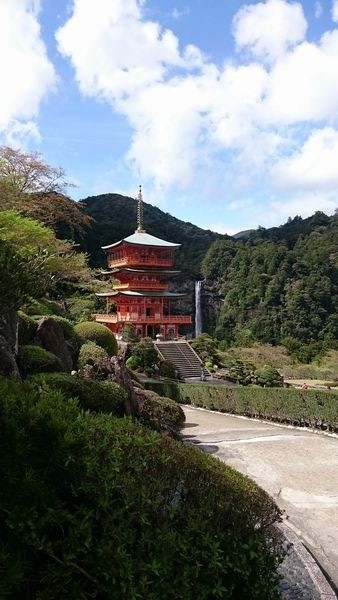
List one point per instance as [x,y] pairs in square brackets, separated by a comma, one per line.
[115,218]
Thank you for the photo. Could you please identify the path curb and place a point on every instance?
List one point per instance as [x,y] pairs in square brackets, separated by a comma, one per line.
[317,576]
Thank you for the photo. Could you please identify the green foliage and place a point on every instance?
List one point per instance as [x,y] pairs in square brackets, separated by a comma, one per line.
[128,334]
[280,283]
[96,396]
[19,279]
[317,409]
[206,347]
[100,507]
[43,307]
[95,332]
[132,363]
[26,328]
[34,359]
[91,354]
[241,372]
[81,305]
[144,354]
[268,377]
[161,414]
[168,369]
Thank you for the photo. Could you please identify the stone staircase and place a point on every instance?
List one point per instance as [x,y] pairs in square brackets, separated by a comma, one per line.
[185,359]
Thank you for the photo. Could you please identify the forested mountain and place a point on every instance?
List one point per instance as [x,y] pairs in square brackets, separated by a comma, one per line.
[115,218]
[270,285]
[280,283]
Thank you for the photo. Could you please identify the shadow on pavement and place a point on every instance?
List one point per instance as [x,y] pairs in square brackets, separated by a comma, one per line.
[208,448]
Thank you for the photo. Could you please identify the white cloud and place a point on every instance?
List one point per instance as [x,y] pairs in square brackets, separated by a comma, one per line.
[26,74]
[313,166]
[303,85]
[268,29]
[302,204]
[177,14]
[115,53]
[335,11]
[193,121]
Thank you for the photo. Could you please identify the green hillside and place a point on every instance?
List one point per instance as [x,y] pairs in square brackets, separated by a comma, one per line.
[115,218]
[280,284]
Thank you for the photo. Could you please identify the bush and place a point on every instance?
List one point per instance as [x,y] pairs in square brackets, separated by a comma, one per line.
[161,414]
[268,377]
[91,354]
[43,307]
[145,355]
[89,331]
[133,363]
[97,507]
[129,334]
[26,328]
[34,359]
[317,409]
[96,396]
[168,369]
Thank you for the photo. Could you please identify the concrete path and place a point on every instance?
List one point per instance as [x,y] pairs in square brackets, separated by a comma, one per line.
[298,468]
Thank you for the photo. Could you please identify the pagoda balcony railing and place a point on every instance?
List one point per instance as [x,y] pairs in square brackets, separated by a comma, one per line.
[114,318]
[134,261]
[141,285]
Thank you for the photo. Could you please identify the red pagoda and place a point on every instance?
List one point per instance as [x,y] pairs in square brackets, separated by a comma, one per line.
[139,266]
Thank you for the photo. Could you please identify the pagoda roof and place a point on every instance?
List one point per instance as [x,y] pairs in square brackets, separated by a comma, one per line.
[141,238]
[149,270]
[139,294]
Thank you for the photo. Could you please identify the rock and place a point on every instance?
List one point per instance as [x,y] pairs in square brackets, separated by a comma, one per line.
[50,336]
[8,364]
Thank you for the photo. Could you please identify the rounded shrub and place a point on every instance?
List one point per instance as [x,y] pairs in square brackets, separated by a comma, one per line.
[268,376]
[92,354]
[161,414]
[26,328]
[168,369]
[34,359]
[93,395]
[126,512]
[133,363]
[89,331]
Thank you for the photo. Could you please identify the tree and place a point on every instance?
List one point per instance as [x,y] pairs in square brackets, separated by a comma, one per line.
[33,262]
[19,280]
[30,185]
[28,173]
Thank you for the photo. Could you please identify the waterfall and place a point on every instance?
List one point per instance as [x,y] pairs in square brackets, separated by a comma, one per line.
[198,312]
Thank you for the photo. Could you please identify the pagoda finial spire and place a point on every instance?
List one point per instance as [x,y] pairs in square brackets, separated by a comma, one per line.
[140,212]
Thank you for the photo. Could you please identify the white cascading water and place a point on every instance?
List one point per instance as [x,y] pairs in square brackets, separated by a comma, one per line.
[198,312]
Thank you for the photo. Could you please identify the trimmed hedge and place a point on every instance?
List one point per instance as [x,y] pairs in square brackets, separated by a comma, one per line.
[93,395]
[310,408]
[34,359]
[89,331]
[97,507]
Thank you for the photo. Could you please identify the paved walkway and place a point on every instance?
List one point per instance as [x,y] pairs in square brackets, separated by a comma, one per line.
[298,468]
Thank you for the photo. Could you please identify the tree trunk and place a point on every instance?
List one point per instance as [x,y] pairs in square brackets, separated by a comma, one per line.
[123,378]
[9,328]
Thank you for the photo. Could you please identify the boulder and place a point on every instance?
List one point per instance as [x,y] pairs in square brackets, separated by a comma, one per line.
[8,364]
[49,335]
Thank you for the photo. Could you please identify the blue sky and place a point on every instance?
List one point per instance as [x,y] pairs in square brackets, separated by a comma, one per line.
[225,111]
